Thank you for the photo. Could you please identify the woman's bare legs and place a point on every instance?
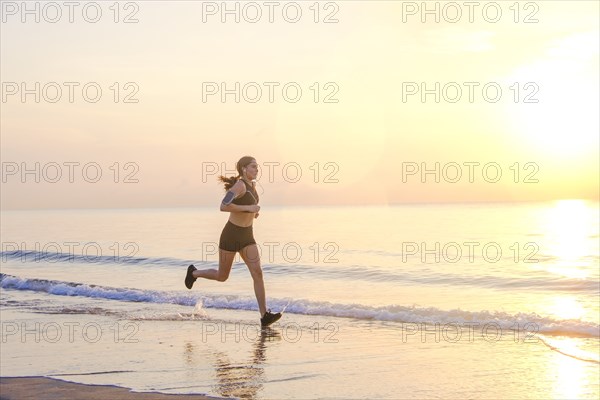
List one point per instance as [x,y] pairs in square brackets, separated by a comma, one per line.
[251,257]
[221,275]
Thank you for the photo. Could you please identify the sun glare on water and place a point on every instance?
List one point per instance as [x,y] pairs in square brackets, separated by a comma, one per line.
[568,226]
[566,308]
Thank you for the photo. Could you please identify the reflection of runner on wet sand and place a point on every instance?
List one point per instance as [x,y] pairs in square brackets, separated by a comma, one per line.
[244,379]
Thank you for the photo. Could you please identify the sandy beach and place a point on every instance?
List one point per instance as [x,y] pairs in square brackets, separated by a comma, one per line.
[342,358]
[49,389]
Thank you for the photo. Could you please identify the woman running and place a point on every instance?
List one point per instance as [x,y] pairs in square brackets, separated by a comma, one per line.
[241,201]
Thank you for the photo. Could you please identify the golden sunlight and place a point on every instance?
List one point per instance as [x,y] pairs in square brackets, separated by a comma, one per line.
[566,308]
[569,347]
[556,112]
[570,377]
[568,225]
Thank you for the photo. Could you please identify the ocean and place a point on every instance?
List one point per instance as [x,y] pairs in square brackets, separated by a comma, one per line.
[485,300]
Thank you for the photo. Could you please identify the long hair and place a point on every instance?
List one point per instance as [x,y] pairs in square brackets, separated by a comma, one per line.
[229,182]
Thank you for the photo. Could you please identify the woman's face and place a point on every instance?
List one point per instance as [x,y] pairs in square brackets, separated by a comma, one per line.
[252,170]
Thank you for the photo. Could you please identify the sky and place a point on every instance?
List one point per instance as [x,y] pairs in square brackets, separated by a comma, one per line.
[382,103]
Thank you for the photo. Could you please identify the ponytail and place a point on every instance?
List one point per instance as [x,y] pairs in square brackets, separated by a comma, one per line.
[229,182]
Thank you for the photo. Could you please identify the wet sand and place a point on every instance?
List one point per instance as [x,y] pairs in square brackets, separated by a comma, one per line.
[49,389]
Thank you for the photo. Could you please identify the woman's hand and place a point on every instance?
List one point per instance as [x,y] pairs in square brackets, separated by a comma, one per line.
[256,215]
[253,208]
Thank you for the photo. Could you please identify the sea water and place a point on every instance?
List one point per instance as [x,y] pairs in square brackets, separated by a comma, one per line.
[407,301]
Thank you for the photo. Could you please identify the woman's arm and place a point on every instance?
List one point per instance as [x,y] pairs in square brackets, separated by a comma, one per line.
[236,190]
[235,208]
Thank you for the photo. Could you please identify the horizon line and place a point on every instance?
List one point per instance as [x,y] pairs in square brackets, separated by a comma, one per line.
[312,205]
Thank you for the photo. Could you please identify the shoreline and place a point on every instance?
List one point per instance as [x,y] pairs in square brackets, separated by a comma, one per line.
[40,387]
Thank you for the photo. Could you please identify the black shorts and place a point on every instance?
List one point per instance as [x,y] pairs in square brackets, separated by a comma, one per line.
[235,238]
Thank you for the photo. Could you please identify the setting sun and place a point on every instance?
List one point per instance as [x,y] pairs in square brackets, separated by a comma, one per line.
[559,118]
